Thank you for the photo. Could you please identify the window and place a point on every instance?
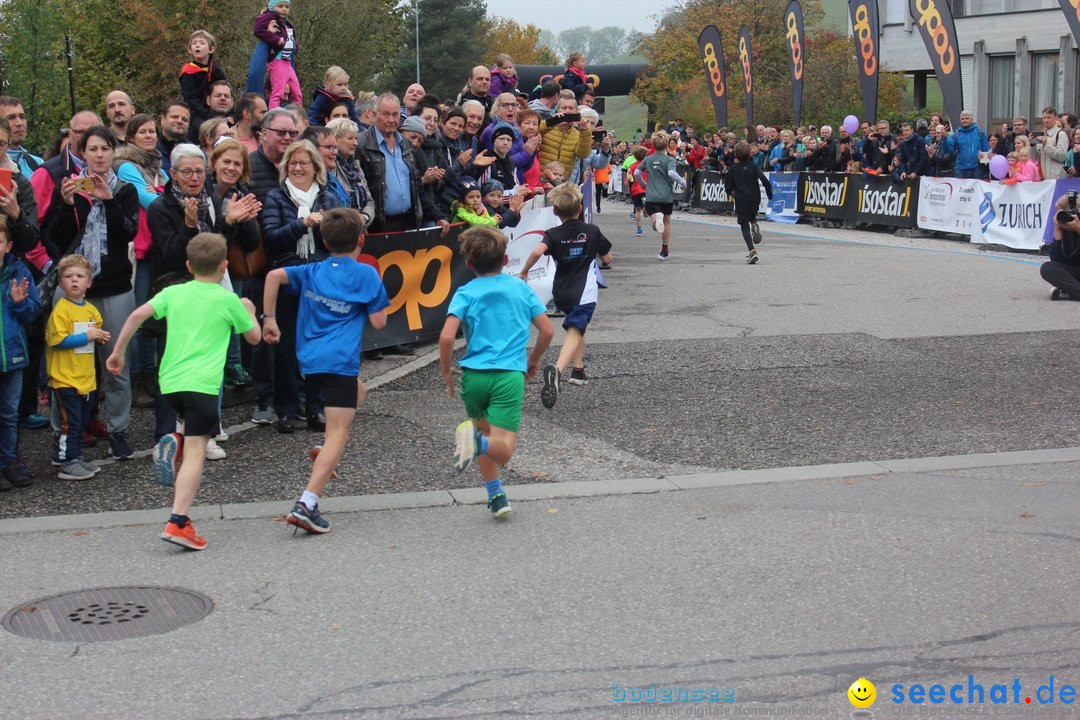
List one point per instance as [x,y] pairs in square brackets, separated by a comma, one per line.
[895,12]
[1044,81]
[967,8]
[1002,69]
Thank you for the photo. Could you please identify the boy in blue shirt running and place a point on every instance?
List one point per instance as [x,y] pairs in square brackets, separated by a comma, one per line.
[337,297]
[496,310]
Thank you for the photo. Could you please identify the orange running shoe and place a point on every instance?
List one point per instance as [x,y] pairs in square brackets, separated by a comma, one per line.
[184,537]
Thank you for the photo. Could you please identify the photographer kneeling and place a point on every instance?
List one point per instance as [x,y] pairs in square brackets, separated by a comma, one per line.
[1063,270]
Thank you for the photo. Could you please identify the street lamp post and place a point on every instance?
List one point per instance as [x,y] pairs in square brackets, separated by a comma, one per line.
[417,16]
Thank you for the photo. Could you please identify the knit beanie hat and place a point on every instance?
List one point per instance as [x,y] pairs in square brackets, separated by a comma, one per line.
[491,186]
[271,4]
[467,186]
[414,124]
[504,129]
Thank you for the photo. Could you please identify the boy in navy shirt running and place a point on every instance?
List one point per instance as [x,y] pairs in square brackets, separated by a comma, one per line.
[496,311]
[337,296]
[574,245]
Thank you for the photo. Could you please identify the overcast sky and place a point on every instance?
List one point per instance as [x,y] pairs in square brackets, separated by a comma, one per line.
[558,15]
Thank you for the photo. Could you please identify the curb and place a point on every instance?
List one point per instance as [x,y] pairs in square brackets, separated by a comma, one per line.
[549,491]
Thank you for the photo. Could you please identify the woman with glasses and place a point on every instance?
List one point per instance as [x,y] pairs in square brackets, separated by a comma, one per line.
[97,215]
[290,221]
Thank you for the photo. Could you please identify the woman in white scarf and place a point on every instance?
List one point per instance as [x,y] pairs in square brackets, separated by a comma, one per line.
[290,220]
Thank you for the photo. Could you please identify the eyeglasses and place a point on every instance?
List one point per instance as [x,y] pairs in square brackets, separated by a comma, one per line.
[302,164]
[191,172]
[329,147]
[284,133]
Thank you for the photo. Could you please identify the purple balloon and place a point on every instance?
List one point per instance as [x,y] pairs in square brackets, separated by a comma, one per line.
[851,124]
[999,166]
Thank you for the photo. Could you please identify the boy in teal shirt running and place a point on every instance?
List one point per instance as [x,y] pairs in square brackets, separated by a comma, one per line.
[202,317]
[496,311]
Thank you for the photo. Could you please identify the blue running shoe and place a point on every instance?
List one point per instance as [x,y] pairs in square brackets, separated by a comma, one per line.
[165,458]
[308,518]
[499,505]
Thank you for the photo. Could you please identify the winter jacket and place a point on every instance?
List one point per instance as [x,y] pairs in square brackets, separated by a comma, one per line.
[521,157]
[505,216]
[464,215]
[825,157]
[24,230]
[500,84]
[563,145]
[171,235]
[1026,172]
[576,80]
[944,162]
[14,353]
[502,170]
[324,100]
[282,228]
[64,225]
[913,157]
[147,185]
[967,143]
[275,40]
[541,109]
[264,175]
[487,101]
[195,82]
[373,163]
[1052,154]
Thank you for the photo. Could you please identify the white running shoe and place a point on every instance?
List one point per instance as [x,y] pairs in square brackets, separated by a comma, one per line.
[214,451]
[658,222]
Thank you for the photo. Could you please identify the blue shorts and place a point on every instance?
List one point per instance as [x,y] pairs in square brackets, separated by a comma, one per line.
[579,317]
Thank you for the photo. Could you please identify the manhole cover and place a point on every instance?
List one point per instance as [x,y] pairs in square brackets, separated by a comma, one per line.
[110,613]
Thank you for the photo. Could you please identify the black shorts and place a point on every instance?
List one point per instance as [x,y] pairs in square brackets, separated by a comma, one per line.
[198,411]
[338,391]
[638,201]
[651,208]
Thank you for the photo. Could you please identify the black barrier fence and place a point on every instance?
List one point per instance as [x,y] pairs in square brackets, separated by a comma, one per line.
[830,196]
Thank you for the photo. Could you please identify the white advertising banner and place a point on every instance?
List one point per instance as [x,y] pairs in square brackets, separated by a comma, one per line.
[1013,215]
[521,240]
[949,204]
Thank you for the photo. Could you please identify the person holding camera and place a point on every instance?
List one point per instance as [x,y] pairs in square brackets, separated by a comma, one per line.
[1063,270]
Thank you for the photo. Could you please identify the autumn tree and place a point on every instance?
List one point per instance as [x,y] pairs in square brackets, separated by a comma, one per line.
[521,42]
[674,83]
[600,45]
[451,44]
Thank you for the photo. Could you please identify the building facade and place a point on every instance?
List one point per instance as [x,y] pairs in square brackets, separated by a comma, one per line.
[1016,56]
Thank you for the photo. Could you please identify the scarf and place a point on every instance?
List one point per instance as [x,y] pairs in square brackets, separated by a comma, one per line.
[205,219]
[95,240]
[305,245]
[354,175]
[147,162]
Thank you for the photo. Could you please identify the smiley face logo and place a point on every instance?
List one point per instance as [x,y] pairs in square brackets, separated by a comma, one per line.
[862,693]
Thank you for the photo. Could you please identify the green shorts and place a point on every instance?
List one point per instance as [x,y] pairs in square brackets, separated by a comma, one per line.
[494,395]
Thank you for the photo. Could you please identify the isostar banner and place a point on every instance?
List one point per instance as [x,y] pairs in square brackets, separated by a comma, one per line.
[948,204]
[520,243]
[1071,8]
[712,57]
[793,22]
[709,193]
[883,201]
[938,30]
[823,195]
[746,59]
[1013,215]
[865,31]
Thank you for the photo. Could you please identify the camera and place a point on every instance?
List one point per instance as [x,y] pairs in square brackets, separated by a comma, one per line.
[1070,214]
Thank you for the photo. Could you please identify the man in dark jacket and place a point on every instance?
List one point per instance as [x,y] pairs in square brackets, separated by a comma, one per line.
[393,178]
[914,162]
[479,84]
[942,160]
[278,133]
[825,157]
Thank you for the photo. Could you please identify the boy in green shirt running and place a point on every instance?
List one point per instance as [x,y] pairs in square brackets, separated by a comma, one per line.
[202,317]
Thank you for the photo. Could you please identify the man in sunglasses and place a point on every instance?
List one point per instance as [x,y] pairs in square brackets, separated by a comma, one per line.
[279,131]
